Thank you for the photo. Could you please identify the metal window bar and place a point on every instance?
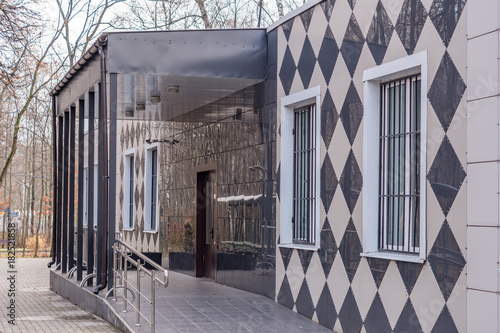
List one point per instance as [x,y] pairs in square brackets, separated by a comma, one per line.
[399,189]
[122,253]
[304,164]
[153,188]
[131,193]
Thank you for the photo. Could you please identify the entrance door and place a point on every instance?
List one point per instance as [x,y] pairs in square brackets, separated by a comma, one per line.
[206,251]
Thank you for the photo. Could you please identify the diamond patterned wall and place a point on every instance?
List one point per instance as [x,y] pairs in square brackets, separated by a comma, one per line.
[330,45]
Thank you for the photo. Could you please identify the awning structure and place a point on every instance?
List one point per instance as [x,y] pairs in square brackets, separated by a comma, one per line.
[163,75]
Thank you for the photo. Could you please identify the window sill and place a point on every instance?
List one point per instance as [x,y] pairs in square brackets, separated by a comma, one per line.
[300,246]
[128,229]
[414,258]
[151,231]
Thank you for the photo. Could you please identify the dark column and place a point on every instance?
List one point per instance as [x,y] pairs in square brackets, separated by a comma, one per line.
[112,174]
[71,225]
[65,193]
[90,184]
[59,188]
[81,185]
[54,184]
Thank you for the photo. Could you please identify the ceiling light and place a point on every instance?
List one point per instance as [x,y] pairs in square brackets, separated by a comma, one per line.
[173,89]
[155,96]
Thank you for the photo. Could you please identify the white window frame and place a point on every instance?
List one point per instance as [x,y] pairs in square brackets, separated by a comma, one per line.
[130,153]
[372,79]
[288,105]
[148,184]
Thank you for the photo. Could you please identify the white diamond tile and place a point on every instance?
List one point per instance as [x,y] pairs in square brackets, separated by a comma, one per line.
[434,213]
[430,41]
[393,8]
[363,287]
[282,43]
[364,11]
[482,17]
[482,258]
[340,82]
[482,66]
[357,145]
[297,38]
[357,215]
[365,61]
[457,132]
[435,135]
[482,311]
[482,130]
[295,274]
[457,217]
[457,48]
[339,148]
[482,194]
[296,84]
[339,20]
[457,303]
[427,4]
[395,49]
[338,282]
[393,293]
[317,29]
[280,270]
[317,79]
[338,215]
[427,299]
[337,327]
[315,278]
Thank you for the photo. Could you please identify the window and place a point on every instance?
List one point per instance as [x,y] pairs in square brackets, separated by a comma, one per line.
[299,186]
[128,190]
[393,136]
[151,202]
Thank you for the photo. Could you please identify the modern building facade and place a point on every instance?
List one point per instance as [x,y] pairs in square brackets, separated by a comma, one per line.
[343,161]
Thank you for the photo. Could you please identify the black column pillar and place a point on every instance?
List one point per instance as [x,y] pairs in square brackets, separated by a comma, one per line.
[65,194]
[71,225]
[81,185]
[54,184]
[112,174]
[59,188]
[90,184]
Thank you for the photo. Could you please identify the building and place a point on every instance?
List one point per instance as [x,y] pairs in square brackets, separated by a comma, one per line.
[343,161]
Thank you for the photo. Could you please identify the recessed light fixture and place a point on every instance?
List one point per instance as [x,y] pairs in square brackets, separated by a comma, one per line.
[155,97]
[173,89]
[140,107]
[129,111]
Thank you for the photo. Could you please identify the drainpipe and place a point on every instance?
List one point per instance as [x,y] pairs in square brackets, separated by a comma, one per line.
[103,116]
[54,183]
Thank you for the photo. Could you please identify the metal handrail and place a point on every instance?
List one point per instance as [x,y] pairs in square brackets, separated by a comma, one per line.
[123,251]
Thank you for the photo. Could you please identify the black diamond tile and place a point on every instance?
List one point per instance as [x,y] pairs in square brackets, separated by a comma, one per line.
[350,249]
[379,34]
[352,3]
[351,181]
[306,18]
[327,7]
[328,54]
[446,260]
[142,195]
[122,168]
[325,309]
[351,113]
[305,258]
[408,320]
[278,178]
[376,320]
[328,248]
[287,28]
[445,15]
[329,118]
[409,273]
[446,175]
[306,64]
[136,197]
[285,296]
[446,91]
[410,23]
[378,268]
[349,316]
[304,301]
[287,71]
[286,254]
[445,323]
[352,45]
[329,182]
[121,197]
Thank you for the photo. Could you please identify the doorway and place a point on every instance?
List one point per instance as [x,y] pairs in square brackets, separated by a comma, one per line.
[206,249]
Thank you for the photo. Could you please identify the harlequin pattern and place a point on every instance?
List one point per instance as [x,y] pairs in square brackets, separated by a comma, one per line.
[345,291]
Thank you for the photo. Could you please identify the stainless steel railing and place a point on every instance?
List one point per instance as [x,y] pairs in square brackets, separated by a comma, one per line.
[122,253]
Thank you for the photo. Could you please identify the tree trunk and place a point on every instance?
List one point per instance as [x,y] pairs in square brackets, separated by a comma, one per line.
[204,15]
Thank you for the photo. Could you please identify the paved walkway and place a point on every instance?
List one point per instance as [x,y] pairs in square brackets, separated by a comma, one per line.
[37,309]
[199,305]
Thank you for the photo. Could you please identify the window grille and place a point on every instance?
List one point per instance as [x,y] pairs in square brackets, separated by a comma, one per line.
[399,186]
[304,164]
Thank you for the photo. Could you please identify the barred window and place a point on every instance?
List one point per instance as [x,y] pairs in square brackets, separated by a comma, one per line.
[131,193]
[304,166]
[399,182]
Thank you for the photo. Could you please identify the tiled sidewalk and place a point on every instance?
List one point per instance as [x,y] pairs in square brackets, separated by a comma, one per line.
[200,305]
[37,308]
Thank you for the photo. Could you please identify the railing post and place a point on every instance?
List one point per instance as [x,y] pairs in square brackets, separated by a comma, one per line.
[124,295]
[153,301]
[138,298]
[115,267]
